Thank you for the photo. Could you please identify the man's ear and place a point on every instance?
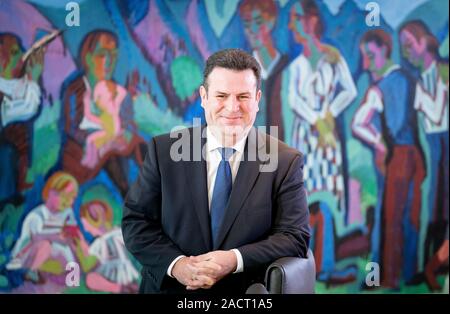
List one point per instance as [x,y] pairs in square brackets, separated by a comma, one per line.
[203,94]
[258,98]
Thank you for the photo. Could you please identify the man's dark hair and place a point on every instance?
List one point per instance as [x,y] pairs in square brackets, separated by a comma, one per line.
[381,38]
[232,59]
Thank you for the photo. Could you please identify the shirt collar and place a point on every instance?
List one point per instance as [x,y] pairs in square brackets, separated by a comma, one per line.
[213,143]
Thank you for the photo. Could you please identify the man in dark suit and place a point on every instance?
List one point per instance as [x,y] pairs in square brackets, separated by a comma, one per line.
[211,218]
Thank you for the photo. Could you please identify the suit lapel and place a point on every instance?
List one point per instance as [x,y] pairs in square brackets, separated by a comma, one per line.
[196,180]
[245,179]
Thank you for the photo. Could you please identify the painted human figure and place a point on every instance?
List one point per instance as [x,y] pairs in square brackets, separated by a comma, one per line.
[421,49]
[364,121]
[114,271]
[20,98]
[397,154]
[259,21]
[106,98]
[45,244]
[98,115]
[320,88]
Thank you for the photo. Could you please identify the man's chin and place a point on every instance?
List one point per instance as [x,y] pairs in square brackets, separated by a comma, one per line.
[234,128]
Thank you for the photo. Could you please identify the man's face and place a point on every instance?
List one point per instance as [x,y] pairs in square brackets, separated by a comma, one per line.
[373,57]
[412,49]
[10,56]
[102,60]
[231,102]
[257,29]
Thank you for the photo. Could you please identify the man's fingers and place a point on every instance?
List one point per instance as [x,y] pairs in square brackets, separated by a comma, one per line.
[199,258]
[192,269]
[200,281]
[207,267]
[195,272]
[195,288]
[208,264]
[204,257]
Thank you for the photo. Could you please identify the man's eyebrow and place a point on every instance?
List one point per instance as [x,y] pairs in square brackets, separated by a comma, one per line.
[240,94]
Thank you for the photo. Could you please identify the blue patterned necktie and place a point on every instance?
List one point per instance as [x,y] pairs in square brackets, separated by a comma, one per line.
[222,191]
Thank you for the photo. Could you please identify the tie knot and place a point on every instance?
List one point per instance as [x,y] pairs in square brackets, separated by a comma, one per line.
[226,152]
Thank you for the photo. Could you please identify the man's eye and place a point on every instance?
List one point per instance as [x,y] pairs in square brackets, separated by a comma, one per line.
[243,97]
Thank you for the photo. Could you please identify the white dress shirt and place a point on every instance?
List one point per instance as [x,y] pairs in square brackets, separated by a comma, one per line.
[213,158]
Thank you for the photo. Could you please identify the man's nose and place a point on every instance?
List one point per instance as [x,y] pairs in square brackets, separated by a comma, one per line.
[232,105]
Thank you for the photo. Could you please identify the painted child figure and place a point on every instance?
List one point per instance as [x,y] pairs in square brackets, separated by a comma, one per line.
[114,271]
[102,113]
[44,245]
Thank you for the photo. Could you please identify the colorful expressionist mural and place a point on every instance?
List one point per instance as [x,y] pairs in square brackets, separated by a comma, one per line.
[360,87]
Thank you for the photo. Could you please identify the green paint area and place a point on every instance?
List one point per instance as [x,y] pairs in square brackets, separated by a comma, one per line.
[82,289]
[443,50]
[46,141]
[361,168]
[150,119]
[287,112]
[3,281]
[186,76]
[9,223]
[100,192]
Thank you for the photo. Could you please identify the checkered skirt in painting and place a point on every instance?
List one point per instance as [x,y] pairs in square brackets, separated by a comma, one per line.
[322,169]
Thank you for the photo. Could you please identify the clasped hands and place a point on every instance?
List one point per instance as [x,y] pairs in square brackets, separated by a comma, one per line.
[203,271]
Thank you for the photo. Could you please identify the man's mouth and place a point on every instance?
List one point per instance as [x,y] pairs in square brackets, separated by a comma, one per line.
[231,120]
[228,118]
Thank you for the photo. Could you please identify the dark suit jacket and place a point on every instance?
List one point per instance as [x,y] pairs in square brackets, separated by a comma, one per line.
[166,212]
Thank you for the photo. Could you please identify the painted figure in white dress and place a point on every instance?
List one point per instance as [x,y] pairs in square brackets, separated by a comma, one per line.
[320,88]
